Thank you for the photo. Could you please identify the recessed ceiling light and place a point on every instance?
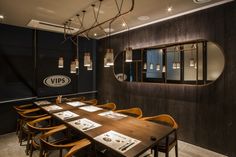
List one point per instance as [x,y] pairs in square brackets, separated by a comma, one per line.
[1,17]
[169,9]
[143,18]
[123,24]
[107,30]
[201,1]
[95,34]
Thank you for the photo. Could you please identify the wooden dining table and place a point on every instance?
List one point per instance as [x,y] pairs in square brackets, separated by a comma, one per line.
[148,133]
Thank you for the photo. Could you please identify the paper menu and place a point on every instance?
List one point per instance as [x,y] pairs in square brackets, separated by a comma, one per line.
[64,115]
[117,141]
[112,115]
[43,102]
[90,108]
[84,124]
[52,108]
[76,103]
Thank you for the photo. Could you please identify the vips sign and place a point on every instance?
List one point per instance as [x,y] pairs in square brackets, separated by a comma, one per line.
[56,81]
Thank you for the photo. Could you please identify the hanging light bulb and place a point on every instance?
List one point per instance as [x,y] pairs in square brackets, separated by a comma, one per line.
[174,65]
[158,67]
[76,63]
[60,62]
[90,67]
[145,66]
[164,69]
[87,60]
[110,57]
[151,66]
[128,54]
[73,67]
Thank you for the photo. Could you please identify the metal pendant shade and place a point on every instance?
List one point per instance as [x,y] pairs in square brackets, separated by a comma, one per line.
[128,54]
[60,62]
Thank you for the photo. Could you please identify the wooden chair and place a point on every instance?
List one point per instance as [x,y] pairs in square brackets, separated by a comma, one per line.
[81,98]
[108,106]
[91,101]
[171,140]
[46,145]
[36,128]
[134,112]
[24,117]
[21,108]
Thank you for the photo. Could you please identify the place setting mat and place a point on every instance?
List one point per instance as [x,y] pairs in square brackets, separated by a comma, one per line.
[90,108]
[52,108]
[43,102]
[112,115]
[76,103]
[117,141]
[64,115]
[84,124]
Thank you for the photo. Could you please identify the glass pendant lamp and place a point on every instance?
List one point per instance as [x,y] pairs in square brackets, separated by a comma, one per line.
[128,54]
[73,67]
[90,67]
[174,65]
[76,63]
[87,60]
[145,66]
[158,67]
[164,69]
[151,66]
[110,57]
[60,62]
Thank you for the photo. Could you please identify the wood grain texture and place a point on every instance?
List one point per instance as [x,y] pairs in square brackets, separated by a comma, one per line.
[205,114]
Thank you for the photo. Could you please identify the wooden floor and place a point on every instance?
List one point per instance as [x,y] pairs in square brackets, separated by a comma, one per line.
[9,147]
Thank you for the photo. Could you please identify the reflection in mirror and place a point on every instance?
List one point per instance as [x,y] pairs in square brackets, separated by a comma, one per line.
[197,62]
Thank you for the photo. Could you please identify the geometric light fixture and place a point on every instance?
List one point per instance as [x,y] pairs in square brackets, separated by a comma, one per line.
[90,67]
[77,63]
[192,60]
[60,62]
[145,66]
[164,69]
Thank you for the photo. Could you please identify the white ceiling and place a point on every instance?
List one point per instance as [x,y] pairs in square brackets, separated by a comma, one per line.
[21,12]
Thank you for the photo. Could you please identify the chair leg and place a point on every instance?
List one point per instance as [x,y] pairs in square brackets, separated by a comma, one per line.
[31,150]
[176,150]
[60,153]
[28,144]
[155,151]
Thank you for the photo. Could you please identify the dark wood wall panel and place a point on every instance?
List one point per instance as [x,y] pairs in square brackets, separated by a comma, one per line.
[205,113]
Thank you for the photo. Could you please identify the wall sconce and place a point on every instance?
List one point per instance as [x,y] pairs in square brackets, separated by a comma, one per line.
[72,67]
[128,54]
[60,62]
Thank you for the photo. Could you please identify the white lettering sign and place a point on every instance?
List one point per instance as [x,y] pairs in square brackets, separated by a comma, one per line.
[56,81]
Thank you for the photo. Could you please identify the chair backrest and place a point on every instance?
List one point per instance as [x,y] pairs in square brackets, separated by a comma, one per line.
[137,112]
[91,101]
[81,98]
[108,106]
[23,108]
[164,119]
